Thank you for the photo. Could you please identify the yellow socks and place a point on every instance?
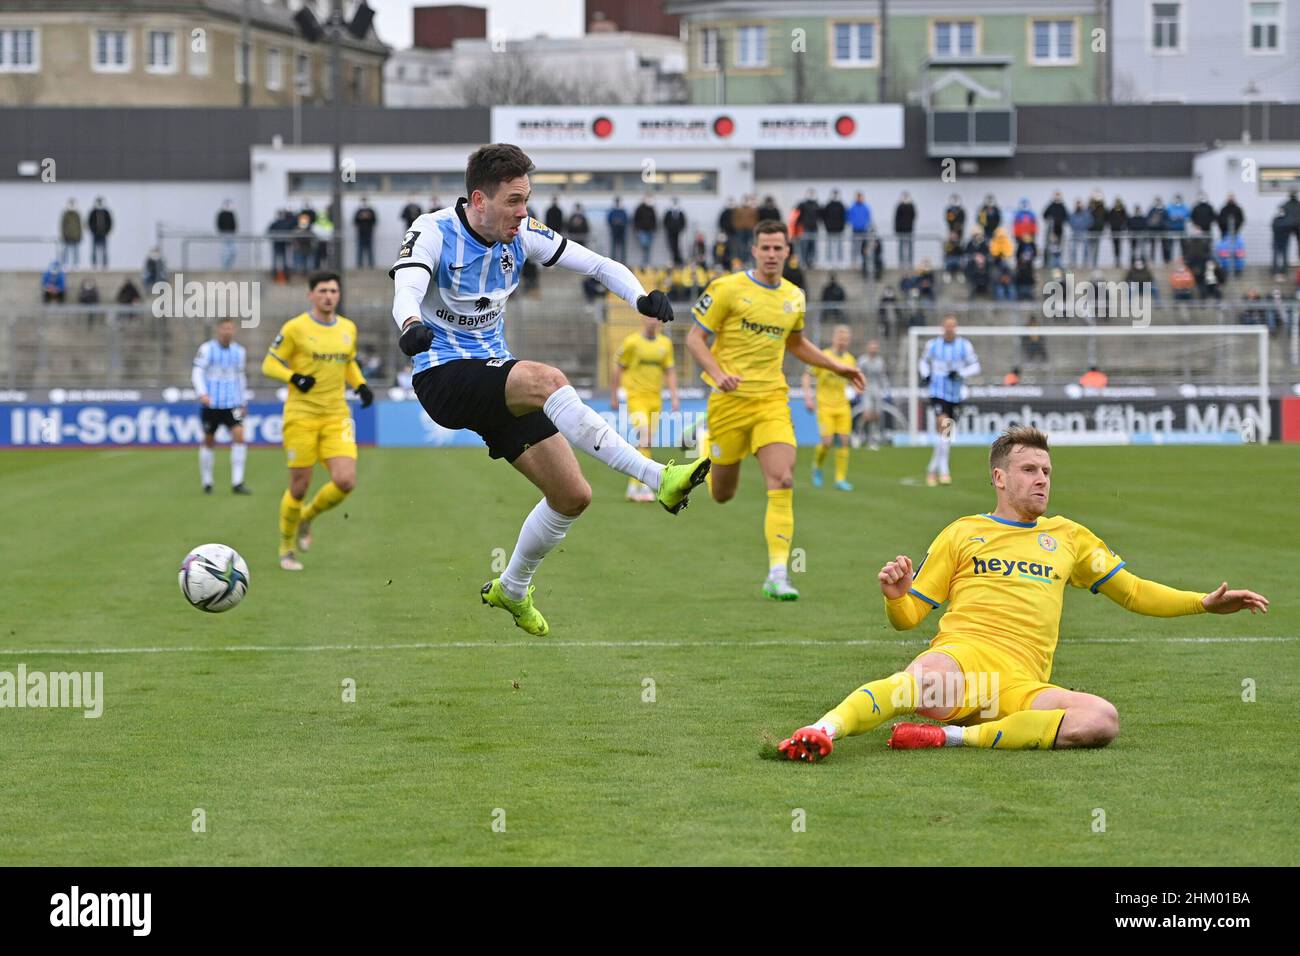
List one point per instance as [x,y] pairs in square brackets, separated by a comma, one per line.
[842,463]
[778,527]
[1023,730]
[872,704]
[819,456]
[290,513]
[329,496]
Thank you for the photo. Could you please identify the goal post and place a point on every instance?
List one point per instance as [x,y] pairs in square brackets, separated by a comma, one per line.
[1170,384]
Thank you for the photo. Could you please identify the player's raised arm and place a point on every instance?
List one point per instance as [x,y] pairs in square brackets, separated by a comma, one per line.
[550,249]
[417,262]
[809,354]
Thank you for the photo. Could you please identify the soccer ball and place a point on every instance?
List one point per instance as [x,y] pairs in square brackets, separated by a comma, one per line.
[214,577]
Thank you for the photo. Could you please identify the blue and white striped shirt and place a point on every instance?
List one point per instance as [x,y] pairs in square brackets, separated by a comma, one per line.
[940,358]
[219,374]
[458,284]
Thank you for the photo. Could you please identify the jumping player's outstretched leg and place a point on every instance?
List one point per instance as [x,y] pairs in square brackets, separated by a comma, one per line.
[532,386]
[552,467]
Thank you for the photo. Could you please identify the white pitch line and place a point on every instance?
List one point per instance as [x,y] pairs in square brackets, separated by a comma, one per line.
[542,643]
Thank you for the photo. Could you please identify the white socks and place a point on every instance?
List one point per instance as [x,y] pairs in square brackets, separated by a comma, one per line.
[238,455]
[586,430]
[206,457]
[543,529]
[953,736]
[939,457]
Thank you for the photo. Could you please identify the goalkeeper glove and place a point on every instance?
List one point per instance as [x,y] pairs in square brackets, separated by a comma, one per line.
[954,376]
[655,306]
[302,382]
[365,394]
[416,338]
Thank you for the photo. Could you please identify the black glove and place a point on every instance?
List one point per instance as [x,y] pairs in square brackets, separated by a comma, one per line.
[925,380]
[656,306]
[365,394]
[416,338]
[954,376]
[302,382]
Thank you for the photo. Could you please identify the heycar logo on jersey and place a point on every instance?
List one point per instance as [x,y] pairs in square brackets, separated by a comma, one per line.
[1005,567]
[773,330]
[331,356]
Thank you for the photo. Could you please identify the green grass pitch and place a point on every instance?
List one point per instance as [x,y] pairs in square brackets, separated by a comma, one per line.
[242,714]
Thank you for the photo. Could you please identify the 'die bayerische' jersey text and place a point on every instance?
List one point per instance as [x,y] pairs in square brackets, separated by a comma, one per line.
[458,283]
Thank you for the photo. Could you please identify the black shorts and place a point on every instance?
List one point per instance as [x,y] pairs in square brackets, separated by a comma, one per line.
[214,418]
[941,406]
[471,393]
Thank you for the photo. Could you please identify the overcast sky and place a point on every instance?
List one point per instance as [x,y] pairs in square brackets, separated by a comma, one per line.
[514,19]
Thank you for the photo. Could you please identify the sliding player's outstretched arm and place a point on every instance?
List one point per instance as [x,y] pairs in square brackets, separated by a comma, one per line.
[1158,600]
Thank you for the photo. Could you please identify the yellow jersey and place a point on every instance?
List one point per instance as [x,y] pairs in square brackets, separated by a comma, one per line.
[1004,582]
[750,322]
[644,362]
[831,394]
[328,353]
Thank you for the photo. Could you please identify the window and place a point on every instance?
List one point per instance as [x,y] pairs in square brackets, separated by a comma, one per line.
[751,46]
[241,64]
[198,57]
[709,48]
[20,51]
[1265,33]
[274,69]
[160,51]
[302,74]
[111,51]
[854,44]
[1166,27]
[1053,42]
[953,38]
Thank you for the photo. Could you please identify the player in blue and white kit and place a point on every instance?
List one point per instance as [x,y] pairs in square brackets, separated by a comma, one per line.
[455,272]
[945,364]
[222,388]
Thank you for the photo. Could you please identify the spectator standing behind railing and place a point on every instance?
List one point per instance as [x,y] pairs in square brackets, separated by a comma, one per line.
[1292,209]
[578,227]
[1097,208]
[644,223]
[873,252]
[674,226]
[554,216]
[989,216]
[954,217]
[100,224]
[226,228]
[859,219]
[1055,216]
[810,217]
[1117,219]
[904,223]
[1178,216]
[1080,220]
[1281,226]
[1024,227]
[1158,226]
[744,218]
[364,221]
[54,283]
[1181,281]
[70,234]
[1231,218]
[155,269]
[616,220]
[769,210]
[283,225]
[832,298]
[1203,216]
[1137,228]
[834,218]
[410,212]
[793,271]
[324,231]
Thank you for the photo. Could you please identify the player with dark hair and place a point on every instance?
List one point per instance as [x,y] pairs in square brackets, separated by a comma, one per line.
[315,354]
[454,274]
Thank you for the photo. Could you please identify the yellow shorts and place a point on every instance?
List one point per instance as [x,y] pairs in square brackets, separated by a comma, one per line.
[740,426]
[641,411]
[834,421]
[996,684]
[308,439]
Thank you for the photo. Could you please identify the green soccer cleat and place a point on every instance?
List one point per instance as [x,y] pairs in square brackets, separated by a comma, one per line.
[779,589]
[525,615]
[677,482]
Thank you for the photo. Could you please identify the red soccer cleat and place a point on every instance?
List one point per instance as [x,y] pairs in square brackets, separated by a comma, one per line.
[806,743]
[916,736]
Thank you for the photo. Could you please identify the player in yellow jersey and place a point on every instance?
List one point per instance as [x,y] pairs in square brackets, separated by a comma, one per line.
[754,318]
[315,354]
[834,419]
[644,363]
[987,672]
